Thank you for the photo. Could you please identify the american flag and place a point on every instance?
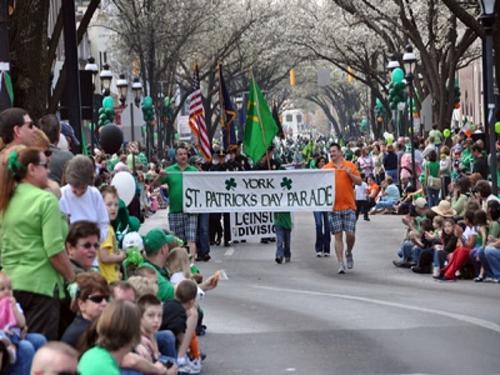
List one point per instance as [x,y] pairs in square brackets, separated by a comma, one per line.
[197,118]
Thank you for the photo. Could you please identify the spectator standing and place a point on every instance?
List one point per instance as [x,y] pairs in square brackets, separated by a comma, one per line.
[80,200]
[32,251]
[50,125]
[391,163]
[432,179]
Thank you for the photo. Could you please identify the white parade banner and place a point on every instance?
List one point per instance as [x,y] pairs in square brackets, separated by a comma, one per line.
[258,191]
[251,225]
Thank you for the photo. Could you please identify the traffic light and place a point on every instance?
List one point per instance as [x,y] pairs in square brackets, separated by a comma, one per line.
[148,110]
[106,112]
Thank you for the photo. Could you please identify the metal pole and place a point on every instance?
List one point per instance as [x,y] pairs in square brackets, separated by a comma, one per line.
[412,135]
[72,73]
[490,98]
[92,122]
[5,101]
[132,133]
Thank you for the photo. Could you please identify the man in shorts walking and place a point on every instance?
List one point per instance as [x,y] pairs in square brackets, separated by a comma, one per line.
[343,216]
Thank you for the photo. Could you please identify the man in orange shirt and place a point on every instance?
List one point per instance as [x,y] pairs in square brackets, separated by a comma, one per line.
[343,216]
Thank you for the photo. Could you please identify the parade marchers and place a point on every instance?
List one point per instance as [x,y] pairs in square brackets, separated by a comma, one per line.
[75,269]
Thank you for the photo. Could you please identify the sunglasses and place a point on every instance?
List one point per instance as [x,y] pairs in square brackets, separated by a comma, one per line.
[88,245]
[43,164]
[98,298]
[68,373]
[30,124]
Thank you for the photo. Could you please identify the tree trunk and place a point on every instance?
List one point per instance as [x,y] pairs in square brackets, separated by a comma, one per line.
[28,47]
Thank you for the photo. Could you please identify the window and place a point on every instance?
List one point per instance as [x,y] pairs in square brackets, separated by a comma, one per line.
[288,118]
[299,118]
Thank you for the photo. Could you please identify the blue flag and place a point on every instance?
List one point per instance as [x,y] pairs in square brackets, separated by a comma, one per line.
[228,114]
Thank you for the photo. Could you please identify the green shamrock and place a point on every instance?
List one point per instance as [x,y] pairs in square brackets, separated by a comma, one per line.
[286,183]
[230,184]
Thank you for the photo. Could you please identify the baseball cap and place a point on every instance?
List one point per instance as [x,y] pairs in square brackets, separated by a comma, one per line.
[156,238]
[133,239]
[420,202]
[68,131]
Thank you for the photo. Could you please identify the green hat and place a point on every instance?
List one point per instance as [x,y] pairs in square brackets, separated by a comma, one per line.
[156,238]
[134,224]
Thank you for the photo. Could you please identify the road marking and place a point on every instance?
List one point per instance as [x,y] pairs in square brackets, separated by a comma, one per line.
[460,317]
[229,252]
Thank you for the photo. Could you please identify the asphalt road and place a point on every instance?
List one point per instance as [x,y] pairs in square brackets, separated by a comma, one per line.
[304,318]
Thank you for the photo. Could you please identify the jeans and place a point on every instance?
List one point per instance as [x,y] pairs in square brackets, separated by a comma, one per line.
[202,238]
[322,244]
[283,242]
[423,256]
[25,352]
[405,252]
[385,203]
[490,260]
[432,197]
[362,207]
[439,258]
[166,345]
[393,173]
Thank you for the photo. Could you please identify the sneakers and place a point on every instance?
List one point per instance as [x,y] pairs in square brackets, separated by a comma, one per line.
[187,366]
[278,260]
[319,255]
[326,255]
[287,259]
[341,270]
[349,260]
[436,272]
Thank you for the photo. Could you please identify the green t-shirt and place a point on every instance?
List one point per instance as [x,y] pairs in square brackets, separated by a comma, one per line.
[174,181]
[494,229]
[98,361]
[33,229]
[466,159]
[435,136]
[433,167]
[283,220]
[166,289]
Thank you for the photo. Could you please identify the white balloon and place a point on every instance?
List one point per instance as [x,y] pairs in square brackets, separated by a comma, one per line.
[124,183]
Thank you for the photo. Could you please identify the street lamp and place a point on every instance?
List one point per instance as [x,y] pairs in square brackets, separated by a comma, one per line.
[106,77]
[488,20]
[409,61]
[391,65]
[122,85]
[137,90]
[91,66]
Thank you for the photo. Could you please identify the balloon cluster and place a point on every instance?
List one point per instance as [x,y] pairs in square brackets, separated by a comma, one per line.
[106,112]
[389,138]
[397,92]
[148,111]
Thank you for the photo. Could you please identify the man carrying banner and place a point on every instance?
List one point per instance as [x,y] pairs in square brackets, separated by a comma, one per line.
[182,224]
[343,217]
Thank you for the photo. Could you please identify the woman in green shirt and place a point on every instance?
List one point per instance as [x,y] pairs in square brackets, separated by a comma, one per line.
[32,234]
[432,174]
[460,196]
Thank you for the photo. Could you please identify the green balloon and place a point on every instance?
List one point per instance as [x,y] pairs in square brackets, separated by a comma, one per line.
[107,102]
[497,127]
[147,102]
[134,224]
[397,75]
[446,133]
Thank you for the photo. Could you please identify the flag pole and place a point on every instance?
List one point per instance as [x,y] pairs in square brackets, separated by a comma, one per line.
[262,131]
[221,105]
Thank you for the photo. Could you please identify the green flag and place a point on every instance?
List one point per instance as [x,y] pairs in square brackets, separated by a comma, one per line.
[260,128]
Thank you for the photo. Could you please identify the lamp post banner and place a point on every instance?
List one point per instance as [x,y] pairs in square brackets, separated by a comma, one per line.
[258,191]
